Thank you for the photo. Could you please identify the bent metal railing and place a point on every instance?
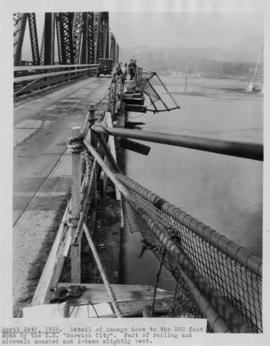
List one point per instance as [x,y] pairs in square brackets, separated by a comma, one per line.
[222,280]
[225,280]
[79,211]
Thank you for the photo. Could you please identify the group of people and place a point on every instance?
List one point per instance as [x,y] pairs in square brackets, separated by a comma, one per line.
[126,69]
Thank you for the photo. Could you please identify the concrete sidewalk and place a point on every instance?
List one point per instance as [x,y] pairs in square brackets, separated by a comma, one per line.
[41,176]
[35,231]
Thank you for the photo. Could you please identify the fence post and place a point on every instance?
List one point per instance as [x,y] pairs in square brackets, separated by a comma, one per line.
[92,120]
[75,206]
[92,140]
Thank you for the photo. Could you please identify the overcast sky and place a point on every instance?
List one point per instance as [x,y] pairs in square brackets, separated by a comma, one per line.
[190,30]
[187,30]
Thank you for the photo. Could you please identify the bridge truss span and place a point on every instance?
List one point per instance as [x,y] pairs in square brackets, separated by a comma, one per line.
[67,38]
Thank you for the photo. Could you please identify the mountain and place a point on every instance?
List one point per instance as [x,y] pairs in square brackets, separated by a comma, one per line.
[177,58]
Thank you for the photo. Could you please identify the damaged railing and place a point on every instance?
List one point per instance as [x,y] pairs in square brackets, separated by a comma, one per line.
[79,214]
[222,280]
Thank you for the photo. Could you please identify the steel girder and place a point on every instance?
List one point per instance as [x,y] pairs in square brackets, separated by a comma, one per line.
[112,47]
[77,36]
[41,54]
[101,23]
[34,38]
[64,29]
[117,53]
[19,21]
[49,32]
[91,38]
[82,37]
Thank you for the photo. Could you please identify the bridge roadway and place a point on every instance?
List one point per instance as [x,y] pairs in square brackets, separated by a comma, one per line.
[41,178]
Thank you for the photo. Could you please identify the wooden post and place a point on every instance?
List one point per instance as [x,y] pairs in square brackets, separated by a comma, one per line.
[75,199]
[92,119]
[112,148]
[147,311]
[92,141]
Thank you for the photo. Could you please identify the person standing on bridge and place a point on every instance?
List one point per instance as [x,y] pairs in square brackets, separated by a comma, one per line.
[126,70]
[135,66]
[131,69]
[119,71]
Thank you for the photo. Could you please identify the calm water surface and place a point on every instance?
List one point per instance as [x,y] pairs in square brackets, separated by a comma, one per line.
[224,192]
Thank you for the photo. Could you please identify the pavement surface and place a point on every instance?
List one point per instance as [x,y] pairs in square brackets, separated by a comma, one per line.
[41,176]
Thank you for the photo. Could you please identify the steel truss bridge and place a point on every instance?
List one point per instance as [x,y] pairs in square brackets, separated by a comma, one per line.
[69,48]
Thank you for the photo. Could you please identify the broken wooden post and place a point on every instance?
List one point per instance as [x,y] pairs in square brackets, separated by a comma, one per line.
[75,204]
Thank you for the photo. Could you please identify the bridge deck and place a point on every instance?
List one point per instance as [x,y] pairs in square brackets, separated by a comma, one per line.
[41,177]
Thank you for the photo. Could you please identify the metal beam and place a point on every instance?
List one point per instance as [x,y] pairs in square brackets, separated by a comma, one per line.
[64,25]
[33,38]
[247,150]
[91,38]
[19,23]
[84,41]
[77,36]
[49,38]
[82,38]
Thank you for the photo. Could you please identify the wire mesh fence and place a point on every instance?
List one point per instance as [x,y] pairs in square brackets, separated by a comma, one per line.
[228,276]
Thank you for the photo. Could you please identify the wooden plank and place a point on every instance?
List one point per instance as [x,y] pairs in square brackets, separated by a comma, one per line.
[135,308]
[96,293]
[42,291]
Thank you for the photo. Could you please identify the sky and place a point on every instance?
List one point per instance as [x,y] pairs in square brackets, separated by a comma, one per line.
[188,30]
[178,29]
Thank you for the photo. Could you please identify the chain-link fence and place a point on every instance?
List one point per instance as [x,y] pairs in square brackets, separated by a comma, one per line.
[211,267]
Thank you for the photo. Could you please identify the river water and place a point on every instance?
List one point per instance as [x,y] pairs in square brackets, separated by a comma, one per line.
[223,192]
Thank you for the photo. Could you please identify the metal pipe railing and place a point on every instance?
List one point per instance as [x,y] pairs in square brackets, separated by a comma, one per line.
[50,67]
[246,150]
[51,74]
[193,277]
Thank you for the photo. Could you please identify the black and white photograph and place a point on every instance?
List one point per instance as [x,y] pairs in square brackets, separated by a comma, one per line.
[138,169]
